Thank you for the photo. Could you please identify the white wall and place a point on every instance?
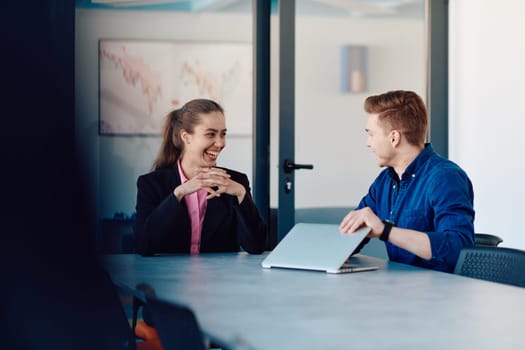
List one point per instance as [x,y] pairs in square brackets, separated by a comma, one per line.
[329,123]
[487,114]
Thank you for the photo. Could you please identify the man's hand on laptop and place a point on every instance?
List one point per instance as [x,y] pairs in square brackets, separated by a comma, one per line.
[359,218]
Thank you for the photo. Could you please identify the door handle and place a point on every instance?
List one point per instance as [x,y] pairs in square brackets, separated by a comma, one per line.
[290,166]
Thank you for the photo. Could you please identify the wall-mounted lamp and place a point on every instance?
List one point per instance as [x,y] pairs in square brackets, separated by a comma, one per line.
[354,68]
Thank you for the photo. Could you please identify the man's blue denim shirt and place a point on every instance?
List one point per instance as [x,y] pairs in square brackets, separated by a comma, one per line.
[434,196]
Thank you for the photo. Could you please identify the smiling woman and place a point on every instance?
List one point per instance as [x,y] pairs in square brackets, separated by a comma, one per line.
[205,143]
[189,205]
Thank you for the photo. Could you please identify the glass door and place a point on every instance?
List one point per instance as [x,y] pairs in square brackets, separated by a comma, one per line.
[332,55]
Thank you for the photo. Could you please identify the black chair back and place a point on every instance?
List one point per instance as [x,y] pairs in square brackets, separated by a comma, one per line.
[487,240]
[176,325]
[496,264]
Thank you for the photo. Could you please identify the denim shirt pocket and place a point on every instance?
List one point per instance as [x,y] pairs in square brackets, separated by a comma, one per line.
[415,219]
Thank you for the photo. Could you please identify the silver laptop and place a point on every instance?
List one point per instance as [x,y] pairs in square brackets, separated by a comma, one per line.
[320,247]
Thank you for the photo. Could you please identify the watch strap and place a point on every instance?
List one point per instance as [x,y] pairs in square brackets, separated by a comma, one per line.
[386,230]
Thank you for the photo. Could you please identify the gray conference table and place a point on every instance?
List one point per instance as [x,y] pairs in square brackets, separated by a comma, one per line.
[245,306]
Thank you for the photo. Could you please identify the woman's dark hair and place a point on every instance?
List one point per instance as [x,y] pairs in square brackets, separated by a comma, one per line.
[184,118]
[403,111]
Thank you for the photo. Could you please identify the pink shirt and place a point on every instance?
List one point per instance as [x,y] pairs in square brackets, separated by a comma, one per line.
[196,203]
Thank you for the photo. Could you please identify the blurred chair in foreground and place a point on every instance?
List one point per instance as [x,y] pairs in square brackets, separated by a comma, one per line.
[496,264]
[175,325]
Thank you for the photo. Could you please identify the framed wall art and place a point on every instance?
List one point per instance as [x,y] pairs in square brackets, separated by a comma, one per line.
[140,81]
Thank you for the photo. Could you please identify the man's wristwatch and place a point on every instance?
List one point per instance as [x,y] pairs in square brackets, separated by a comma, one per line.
[386,230]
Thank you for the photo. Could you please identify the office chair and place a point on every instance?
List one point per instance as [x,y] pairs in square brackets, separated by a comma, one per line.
[175,325]
[496,264]
[487,240]
[147,336]
[110,328]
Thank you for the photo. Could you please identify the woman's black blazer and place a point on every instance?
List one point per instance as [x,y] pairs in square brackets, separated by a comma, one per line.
[163,223]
